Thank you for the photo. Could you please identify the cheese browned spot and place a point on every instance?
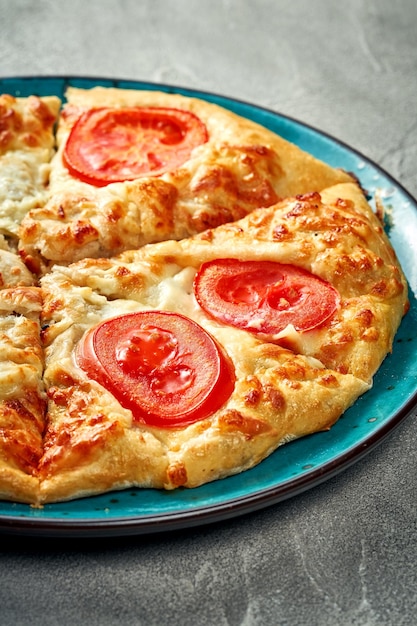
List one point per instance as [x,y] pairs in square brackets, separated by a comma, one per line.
[176,475]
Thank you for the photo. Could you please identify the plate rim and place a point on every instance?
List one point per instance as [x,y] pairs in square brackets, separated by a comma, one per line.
[131,525]
[233,507]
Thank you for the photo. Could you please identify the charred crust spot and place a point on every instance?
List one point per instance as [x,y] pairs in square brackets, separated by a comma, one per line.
[41,111]
[177,474]
[207,235]
[370,334]
[344,203]
[84,232]
[306,203]
[312,197]
[328,380]
[63,378]
[281,233]
[275,398]
[296,210]
[249,427]
[365,318]
[30,140]
[253,394]
[59,397]
[252,397]
[122,271]
[115,213]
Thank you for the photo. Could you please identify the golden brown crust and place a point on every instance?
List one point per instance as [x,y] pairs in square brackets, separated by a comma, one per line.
[22,397]
[241,167]
[92,444]
[247,194]
[282,392]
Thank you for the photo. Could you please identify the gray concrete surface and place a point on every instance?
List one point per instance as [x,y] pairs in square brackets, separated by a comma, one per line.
[343,553]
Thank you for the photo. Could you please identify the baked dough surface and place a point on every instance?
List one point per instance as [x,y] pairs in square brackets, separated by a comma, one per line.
[90,253]
[26,147]
[242,166]
[22,394]
[284,390]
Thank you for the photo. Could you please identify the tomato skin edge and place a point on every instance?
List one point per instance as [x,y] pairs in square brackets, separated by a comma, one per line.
[197,134]
[222,386]
[259,317]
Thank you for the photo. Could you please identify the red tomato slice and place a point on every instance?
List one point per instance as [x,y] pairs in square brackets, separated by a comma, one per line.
[162,366]
[264,297]
[112,145]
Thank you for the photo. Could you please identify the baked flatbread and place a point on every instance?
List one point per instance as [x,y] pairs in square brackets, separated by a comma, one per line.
[285,384]
[207,167]
[22,394]
[181,293]
[26,147]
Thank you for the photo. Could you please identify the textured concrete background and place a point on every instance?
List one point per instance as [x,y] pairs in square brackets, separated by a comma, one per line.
[343,553]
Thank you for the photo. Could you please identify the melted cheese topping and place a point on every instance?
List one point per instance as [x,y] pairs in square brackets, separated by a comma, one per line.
[23,186]
[297,384]
[241,167]
[26,148]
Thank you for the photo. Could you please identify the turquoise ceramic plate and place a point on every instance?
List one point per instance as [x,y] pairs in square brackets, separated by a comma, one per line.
[296,466]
